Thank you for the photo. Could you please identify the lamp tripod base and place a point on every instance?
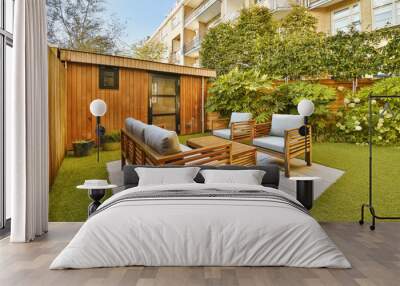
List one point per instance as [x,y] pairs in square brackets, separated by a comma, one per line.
[373,215]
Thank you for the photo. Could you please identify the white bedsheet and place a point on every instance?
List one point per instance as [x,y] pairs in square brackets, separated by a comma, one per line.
[202,232]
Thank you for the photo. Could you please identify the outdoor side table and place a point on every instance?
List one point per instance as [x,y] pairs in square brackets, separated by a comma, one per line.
[96,191]
[305,190]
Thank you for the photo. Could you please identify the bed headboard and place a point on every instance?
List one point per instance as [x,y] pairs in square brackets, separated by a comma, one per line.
[271,177]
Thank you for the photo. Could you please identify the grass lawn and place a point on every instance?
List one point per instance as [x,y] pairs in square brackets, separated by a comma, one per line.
[341,202]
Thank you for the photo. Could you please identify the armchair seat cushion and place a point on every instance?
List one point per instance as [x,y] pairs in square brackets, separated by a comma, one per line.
[223,133]
[274,143]
[282,122]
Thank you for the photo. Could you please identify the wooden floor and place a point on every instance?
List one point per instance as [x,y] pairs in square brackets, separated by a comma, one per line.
[375,257]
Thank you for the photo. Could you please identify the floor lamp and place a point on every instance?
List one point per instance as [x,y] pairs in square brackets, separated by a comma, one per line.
[305,108]
[98,108]
[370,206]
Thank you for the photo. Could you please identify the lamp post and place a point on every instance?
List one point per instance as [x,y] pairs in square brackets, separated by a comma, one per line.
[305,108]
[98,108]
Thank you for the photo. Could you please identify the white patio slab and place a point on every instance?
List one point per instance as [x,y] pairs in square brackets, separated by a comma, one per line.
[298,169]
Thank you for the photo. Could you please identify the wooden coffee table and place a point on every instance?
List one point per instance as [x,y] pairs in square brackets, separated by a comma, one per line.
[242,154]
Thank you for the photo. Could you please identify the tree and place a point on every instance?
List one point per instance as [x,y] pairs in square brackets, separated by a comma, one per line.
[353,54]
[80,24]
[149,50]
[232,44]
[296,51]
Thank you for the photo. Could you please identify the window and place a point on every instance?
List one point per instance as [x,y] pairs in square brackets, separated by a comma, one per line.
[109,77]
[6,43]
[386,13]
[345,18]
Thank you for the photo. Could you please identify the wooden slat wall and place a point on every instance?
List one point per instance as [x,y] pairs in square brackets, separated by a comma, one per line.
[191,104]
[130,100]
[57,113]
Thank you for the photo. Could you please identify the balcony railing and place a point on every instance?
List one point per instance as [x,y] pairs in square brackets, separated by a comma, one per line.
[316,3]
[193,45]
[200,10]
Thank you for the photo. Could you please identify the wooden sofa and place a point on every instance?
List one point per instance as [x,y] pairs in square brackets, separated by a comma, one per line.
[134,151]
[238,131]
[288,146]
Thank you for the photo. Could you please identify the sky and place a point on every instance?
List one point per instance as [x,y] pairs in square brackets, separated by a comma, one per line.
[141,17]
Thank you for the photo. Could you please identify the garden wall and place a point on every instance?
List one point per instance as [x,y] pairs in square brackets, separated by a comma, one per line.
[57,113]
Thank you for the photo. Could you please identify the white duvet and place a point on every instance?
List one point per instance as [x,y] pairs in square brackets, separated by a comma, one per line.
[200,231]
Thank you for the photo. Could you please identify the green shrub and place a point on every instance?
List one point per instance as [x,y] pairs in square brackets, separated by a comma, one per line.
[352,122]
[244,91]
[112,137]
[321,95]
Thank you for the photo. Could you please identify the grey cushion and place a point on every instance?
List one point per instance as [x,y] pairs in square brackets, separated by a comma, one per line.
[239,117]
[223,133]
[163,141]
[282,122]
[135,127]
[275,143]
[128,124]
[138,129]
[185,148]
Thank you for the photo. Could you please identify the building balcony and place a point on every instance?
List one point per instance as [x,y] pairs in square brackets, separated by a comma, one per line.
[192,48]
[205,12]
[279,5]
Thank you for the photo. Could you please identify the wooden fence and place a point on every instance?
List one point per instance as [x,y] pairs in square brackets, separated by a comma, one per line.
[57,113]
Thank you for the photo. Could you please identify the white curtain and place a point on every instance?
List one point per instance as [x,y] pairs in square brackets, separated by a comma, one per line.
[27,123]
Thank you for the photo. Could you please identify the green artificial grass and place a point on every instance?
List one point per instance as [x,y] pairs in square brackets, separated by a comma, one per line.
[341,202]
[66,203]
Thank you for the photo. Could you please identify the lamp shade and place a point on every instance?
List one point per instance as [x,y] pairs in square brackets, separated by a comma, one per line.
[98,107]
[305,107]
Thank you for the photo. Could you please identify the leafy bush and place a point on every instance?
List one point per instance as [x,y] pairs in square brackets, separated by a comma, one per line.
[353,117]
[112,137]
[321,95]
[244,91]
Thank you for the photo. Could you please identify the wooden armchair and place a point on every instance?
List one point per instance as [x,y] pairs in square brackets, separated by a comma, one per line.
[281,138]
[238,131]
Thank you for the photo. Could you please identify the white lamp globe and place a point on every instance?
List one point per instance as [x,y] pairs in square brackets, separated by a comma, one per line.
[305,107]
[98,107]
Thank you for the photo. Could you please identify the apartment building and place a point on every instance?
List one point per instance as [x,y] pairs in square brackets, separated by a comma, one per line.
[184,28]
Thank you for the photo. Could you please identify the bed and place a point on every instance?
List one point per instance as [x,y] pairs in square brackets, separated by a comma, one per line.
[201,224]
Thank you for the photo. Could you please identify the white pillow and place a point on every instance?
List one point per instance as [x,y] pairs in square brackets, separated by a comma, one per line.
[166,176]
[244,177]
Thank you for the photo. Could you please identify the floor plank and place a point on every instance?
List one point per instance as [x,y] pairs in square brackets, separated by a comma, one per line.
[375,257]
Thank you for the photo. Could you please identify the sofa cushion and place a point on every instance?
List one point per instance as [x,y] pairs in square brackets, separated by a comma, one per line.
[128,124]
[138,129]
[162,141]
[135,127]
[223,133]
[282,122]
[185,148]
[239,117]
[275,143]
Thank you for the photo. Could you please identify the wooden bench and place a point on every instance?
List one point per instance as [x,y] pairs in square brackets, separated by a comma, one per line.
[134,151]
